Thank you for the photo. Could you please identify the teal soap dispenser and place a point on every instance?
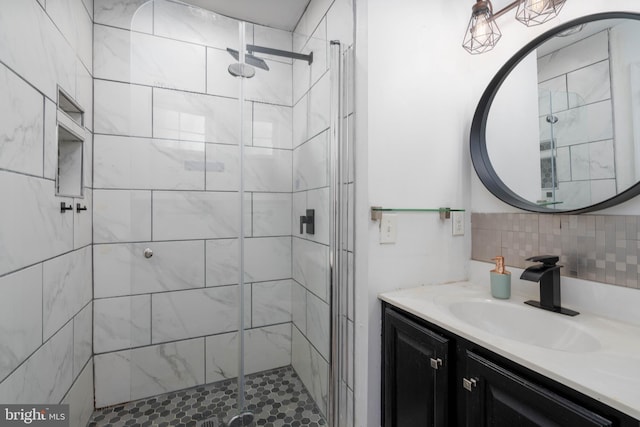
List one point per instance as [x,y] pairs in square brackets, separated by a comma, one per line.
[500,280]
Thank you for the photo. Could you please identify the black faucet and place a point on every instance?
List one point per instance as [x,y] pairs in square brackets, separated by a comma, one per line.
[548,274]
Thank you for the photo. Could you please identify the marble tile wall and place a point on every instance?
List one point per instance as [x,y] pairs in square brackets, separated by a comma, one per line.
[45,255]
[323,21]
[575,87]
[167,171]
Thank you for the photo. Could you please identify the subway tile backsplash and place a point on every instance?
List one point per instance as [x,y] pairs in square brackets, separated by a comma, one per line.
[602,248]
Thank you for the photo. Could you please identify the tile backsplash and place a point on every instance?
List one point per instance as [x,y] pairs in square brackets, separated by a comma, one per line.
[602,248]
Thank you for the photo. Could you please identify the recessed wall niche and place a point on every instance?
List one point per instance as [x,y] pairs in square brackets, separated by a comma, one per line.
[69,181]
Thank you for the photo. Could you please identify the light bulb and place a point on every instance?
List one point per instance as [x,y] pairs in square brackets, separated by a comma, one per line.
[538,6]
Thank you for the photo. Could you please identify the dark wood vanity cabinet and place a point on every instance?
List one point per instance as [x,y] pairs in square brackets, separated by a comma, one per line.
[416,374]
[497,397]
[472,386]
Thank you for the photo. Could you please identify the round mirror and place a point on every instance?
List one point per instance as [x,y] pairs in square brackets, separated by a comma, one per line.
[558,128]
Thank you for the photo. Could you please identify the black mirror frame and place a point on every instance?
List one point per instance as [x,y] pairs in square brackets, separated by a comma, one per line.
[478,144]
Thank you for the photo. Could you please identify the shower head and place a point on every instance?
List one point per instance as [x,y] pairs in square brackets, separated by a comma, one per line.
[249,59]
[241,70]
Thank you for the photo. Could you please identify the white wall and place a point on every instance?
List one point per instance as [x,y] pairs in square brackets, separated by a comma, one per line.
[411,153]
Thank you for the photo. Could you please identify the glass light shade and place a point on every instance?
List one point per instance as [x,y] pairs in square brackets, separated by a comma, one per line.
[536,12]
[482,32]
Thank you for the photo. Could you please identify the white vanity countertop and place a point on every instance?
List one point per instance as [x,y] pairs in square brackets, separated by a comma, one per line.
[610,373]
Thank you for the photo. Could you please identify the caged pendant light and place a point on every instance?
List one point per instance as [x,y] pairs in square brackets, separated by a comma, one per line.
[483,32]
[536,12]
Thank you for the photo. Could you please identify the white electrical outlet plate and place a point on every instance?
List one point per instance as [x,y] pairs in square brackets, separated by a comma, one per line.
[388,228]
[457,223]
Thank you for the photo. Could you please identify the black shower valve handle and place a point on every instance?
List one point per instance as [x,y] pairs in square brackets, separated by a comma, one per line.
[308,219]
[64,207]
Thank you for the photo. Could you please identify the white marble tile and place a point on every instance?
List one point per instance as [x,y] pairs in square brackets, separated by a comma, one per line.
[144,59]
[312,16]
[87,166]
[301,121]
[319,45]
[21,127]
[602,161]
[563,164]
[193,24]
[589,84]
[84,93]
[223,167]
[311,266]
[275,39]
[301,79]
[198,117]
[194,313]
[88,4]
[580,167]
[577,55]
[37,230]
[602,189]
[267,258]
[312,369]
[222,262]
[319,106]
[112,376]
[73,21]
[219,81]
[148,164]
[271,303]
[21,333]
[273,86]
[299,306]
[148,371]
[311,164]
[70,160]
[271,214]
[80,398]
[82,338]
[122,109]
[318,200]
[340,22]
[136,15]
[552,95]
[318,325]
[265,348]
[180,215]
[272,126]
[45,376]
[121,323]
[82,221]
[66,288]
[267,169]
[121,216]
[574,194]
[43,57]
[593,122]
[122,269]
[50,139]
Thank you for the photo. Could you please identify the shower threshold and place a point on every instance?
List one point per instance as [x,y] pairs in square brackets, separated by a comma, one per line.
[276,398]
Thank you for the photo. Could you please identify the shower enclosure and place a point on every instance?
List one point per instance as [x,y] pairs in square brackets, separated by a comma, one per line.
[223,198]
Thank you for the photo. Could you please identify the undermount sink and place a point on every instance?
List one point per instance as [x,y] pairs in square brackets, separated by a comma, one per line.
[524,324]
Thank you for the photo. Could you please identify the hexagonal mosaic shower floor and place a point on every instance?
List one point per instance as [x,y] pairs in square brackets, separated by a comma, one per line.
[277,398]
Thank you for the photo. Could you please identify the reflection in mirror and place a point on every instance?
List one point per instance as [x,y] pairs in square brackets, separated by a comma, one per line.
[563,131]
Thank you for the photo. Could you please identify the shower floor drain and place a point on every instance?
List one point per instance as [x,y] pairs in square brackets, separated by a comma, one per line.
[214,422]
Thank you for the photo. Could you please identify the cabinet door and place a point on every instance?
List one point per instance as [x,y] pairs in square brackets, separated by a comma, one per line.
[497,397]
[415,374]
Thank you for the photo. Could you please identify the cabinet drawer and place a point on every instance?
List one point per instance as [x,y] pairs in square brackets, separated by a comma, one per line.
[497,397]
